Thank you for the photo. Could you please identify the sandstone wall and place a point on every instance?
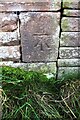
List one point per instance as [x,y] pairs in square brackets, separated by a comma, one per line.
[40,35]
[69,47]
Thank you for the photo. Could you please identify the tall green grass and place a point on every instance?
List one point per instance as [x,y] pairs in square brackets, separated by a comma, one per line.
[28,95]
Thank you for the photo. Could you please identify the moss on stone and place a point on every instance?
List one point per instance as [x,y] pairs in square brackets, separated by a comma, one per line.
[67,3]
[67,12]
[65,24]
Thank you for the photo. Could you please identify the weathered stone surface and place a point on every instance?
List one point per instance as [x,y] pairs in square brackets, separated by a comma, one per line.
[29,5]
[69,62]
[8,22]
[75,13]
[69,52]
[10,53]
[44,67]
[70,39]
[67,71]
[39,36]
[70,24]
[71,4]
[9,38]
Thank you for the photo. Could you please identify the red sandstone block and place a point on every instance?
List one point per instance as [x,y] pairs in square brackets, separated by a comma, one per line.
[39,36]
[9,38]
[10,53]
[29,5]
[8,22]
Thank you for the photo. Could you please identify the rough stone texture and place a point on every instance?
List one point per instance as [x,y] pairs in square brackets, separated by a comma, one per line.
[75,13]
[9,38]
[67,70]
[70,39]
[70,24]
[69,52]
[10,53]
[71,4]
[8,22]
[69,62]
[39,36]
[30,5]
[39,33]
[44,67]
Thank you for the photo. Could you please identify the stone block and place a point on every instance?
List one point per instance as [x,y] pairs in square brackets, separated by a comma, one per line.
[70,39]
[69,62]
[39,36]
[62,71]
[74,13]
[71,4]
[30,5]
[8,22]
[43,67]
[10,53]
[69,52]
[9,38]
[70,24]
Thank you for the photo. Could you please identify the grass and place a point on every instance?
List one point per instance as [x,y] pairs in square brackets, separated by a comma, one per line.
[28,95]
